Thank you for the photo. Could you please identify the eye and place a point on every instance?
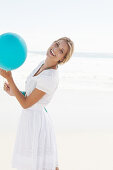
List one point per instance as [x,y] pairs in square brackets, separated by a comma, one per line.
[61,51]
[57,44]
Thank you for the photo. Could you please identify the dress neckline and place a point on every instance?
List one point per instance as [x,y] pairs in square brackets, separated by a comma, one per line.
[39,66]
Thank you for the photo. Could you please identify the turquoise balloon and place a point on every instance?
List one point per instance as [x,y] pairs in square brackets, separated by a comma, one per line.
[13,51]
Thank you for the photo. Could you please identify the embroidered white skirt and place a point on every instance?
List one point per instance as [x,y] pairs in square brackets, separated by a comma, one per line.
[35,146]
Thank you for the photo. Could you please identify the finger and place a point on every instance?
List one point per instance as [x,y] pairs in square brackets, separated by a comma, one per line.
[6,84]
[5,88]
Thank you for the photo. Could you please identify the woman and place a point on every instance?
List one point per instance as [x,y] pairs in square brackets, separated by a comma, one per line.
[35,146]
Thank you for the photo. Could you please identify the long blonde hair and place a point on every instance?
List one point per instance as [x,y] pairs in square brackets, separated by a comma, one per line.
[70,51]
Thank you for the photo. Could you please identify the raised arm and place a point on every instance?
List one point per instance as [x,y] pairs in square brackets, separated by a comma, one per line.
[25,101]
[9,91]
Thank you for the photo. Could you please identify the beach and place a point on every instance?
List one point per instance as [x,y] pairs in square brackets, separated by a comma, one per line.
[80,150]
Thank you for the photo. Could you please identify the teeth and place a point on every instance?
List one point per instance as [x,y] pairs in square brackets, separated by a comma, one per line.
[52,52]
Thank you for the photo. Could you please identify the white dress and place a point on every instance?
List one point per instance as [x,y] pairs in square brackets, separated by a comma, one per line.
[35,145]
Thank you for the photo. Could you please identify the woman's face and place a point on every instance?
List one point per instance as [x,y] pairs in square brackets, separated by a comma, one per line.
[57,50]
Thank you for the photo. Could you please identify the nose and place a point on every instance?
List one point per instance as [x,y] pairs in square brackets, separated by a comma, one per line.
[55,49]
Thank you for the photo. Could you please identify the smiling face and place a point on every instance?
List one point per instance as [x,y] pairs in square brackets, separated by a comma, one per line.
[58,50]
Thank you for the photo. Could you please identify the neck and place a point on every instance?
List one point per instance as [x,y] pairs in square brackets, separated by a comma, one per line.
[48,64]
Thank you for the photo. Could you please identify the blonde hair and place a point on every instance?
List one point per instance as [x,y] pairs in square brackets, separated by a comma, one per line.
[70,51]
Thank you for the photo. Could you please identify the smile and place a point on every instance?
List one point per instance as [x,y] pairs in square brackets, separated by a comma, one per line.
[52,52]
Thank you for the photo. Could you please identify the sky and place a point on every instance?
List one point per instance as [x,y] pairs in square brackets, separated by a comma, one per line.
[89,23]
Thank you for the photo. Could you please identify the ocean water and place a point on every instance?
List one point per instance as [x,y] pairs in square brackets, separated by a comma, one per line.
[83,100]
[86,71]
[83,71]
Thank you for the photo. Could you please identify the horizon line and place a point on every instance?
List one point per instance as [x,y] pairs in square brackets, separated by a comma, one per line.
[78,52]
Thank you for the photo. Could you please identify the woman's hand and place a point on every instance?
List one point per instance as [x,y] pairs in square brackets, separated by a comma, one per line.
[5,74]
[8,89]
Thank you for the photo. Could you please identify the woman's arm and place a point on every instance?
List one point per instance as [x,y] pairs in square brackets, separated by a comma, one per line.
[23,92]
[25,101]
[19,96]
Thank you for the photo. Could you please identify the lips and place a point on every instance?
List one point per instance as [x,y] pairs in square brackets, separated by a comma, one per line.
[52,52]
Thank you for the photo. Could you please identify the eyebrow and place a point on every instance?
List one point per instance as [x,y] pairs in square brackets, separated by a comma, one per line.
[59,43]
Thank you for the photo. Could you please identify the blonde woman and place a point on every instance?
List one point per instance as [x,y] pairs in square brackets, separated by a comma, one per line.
[35,146]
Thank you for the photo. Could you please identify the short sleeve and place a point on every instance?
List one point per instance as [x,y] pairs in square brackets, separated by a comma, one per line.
[46,83]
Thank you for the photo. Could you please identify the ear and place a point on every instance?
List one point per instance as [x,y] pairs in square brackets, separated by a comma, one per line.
[62,59]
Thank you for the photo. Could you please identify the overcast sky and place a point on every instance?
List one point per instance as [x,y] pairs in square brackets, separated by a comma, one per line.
[89,23]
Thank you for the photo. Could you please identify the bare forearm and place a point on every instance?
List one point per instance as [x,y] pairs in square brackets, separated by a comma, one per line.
[19,96]
[23,92]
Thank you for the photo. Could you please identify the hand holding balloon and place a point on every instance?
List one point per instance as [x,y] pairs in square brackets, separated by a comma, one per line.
[5,74]
[13,52]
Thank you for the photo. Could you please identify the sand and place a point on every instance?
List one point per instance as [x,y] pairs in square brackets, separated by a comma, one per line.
[80,150]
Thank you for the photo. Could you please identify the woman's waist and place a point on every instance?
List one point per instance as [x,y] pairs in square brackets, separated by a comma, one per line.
[37,107]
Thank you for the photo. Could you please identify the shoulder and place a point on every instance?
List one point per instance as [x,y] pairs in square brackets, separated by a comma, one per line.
[46,82]
[48,78]
[51,74]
